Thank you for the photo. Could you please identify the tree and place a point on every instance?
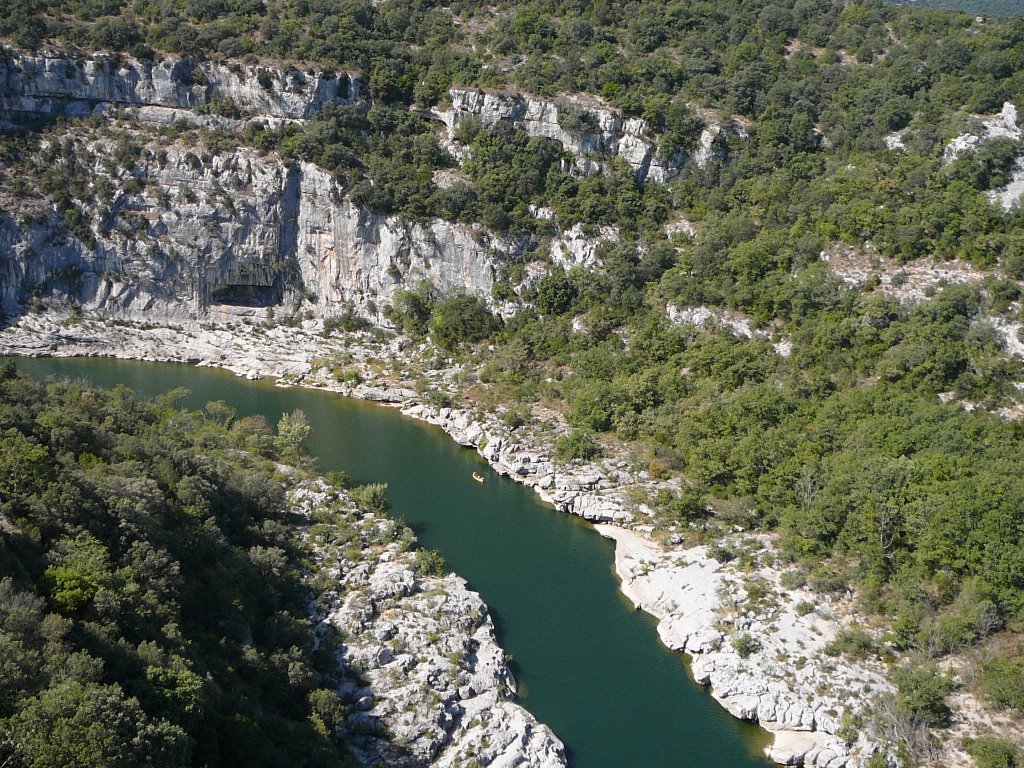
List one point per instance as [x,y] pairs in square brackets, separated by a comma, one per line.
[293,430]
[555,293]
[92,726]
[461,319]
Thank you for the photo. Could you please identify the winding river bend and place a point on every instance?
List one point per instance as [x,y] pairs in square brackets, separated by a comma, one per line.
[586,663]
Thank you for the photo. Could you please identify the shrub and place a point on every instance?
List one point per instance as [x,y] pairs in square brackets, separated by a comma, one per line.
[1002,682]
[804,608]
[827,582]
[922,692]
[576,120]
[371,498]
[853,642]
[577,445]
[745,645]
[793,579]
[721,554]
[514,418]
[685,507]
[429,562]
[349,321]
[993,752]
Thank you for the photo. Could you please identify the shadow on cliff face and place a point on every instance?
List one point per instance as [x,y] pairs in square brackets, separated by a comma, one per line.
[247,295]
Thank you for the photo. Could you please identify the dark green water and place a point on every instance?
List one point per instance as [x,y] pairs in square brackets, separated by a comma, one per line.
[587,664]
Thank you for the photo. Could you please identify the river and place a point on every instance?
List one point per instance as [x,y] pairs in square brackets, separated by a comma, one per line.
[587,664]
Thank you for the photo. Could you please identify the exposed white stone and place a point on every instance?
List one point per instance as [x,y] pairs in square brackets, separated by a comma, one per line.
[894,140]
[612,134]
[434,686]
[575,248]
[1004,124]
[226,236]
[694,595]
[702,316]
[1009,196]
[54,83]
[681,226]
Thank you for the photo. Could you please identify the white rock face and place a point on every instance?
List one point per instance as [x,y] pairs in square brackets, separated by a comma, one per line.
[349,255]
[611,133]
[894,140]
[228,235]
[55,83]
[737,323]
[575,248]
[1009,196]
[706,152]
[702,316]
[681,226]
[1003,125]
[702,606]
[431,686]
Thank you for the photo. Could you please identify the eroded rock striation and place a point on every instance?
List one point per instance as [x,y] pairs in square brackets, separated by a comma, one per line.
[58,83]
[187,234]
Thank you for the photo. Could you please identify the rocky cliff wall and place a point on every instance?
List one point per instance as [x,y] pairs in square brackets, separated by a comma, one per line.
[607,132]
[58,83]
[347,254]
[187,234]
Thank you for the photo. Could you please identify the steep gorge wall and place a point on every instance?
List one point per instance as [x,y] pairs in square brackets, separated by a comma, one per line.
[230,235]
[57,83]
[603,132]
[609,133]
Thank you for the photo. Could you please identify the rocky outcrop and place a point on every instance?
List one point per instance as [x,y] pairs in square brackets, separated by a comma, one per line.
[188,234]
[348,255]
[1009,196]
[58,83]
[426,682]
[1002,125]
[735,322]
[592,132]
[577,248]
[781,677]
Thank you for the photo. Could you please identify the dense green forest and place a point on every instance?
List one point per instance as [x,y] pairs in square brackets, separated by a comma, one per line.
[152,607]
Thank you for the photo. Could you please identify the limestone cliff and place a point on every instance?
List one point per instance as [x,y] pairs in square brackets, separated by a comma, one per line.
[593,133]
[58,83]
[602,131]
[186,233]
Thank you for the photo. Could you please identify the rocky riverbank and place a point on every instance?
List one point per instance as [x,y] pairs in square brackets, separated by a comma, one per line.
[781,677]
[426,682]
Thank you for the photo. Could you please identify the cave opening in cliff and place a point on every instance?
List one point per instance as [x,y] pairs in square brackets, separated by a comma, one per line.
[246,295]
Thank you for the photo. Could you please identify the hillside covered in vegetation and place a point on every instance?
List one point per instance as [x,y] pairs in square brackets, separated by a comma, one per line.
[153,610]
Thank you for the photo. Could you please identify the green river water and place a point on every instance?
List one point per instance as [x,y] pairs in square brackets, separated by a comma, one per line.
[587,664]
